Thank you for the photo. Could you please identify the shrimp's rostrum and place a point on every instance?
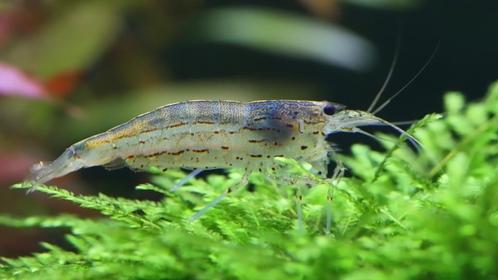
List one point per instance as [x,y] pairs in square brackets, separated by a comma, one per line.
[209,135]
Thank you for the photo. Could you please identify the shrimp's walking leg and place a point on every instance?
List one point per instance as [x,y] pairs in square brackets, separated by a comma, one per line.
[241,184]
[187,178]
[299,209]
[336,177]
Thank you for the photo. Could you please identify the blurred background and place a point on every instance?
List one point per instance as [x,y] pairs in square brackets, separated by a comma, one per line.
[71,69]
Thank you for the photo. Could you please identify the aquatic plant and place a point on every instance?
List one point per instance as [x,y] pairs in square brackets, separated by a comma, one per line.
[400,214]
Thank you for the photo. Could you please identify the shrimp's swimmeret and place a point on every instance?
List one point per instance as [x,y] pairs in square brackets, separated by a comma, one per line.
[214,134]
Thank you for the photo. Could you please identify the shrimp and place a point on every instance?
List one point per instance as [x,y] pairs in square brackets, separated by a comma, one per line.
[202,135]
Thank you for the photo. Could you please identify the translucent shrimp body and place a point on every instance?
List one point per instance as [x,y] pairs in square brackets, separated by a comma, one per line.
[207,135]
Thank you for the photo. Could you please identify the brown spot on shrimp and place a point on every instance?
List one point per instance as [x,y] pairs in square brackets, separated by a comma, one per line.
[256,140]
[177,124]
[256,156]
[205,122]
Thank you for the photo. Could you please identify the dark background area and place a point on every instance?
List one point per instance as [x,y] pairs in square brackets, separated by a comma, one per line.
[97,64]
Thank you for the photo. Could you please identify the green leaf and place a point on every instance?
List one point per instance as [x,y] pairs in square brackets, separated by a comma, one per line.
[401,214]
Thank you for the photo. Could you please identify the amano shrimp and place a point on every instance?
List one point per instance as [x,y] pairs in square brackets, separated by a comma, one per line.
[201,135]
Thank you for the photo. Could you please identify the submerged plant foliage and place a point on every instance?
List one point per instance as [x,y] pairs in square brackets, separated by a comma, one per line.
[401,214]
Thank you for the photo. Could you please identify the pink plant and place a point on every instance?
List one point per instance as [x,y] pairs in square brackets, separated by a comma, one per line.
[16,82]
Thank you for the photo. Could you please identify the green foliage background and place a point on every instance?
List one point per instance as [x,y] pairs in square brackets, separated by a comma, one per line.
[401,214]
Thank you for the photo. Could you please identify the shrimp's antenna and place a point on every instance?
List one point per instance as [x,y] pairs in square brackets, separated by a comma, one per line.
[405,122]
[389,74]
[408,136]
[378,138]
[383,105]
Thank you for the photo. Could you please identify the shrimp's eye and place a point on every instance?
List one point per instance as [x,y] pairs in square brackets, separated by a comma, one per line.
[329,109]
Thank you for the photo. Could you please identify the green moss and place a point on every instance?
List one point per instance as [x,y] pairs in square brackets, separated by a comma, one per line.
[402,214]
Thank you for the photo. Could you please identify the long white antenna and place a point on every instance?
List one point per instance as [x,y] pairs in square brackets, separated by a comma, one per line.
[389,74]
[383,105]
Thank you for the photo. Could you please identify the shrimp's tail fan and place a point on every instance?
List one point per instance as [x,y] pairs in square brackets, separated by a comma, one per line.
[43,172]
